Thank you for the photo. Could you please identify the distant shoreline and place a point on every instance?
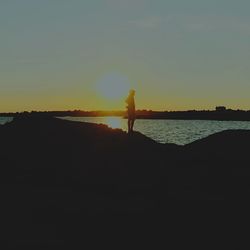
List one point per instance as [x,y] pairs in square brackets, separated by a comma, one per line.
[215,115]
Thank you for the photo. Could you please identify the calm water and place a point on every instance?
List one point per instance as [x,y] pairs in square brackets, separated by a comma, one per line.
[169,131]
[165,131]
[3,120]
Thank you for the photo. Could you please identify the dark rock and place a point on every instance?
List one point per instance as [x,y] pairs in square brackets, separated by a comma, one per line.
[60,175]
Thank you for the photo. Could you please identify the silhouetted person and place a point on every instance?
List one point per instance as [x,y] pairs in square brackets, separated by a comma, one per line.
[131,110]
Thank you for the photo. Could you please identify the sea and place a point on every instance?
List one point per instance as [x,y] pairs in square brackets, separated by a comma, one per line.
[4,120]
[180,132]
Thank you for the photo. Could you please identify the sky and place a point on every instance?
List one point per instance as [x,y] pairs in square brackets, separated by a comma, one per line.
[176,54]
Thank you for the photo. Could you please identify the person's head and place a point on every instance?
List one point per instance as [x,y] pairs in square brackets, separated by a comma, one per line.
[132,92]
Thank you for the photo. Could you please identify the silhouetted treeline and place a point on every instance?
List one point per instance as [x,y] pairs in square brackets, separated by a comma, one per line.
[223,115]
[75,113]
[227,115]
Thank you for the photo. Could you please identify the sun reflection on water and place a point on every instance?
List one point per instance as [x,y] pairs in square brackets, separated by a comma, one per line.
[114,122]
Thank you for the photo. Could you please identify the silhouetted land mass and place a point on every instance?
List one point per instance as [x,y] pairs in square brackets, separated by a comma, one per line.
[68,182]
[219,115]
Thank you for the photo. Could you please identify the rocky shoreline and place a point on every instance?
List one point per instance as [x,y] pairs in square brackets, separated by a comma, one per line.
[60,174]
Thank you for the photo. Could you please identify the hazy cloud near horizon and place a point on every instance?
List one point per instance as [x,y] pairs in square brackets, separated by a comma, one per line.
[150,22]
[127,4]
[196,23]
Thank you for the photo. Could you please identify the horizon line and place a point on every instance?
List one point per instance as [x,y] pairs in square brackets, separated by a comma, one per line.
[108,111]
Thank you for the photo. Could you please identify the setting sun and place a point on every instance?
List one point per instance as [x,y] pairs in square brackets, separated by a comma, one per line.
[113,86]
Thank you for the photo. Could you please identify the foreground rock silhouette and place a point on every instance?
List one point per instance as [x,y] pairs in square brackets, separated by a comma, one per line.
[62,177]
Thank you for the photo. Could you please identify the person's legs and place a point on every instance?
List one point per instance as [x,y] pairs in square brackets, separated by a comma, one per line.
[129,126]
[131,121]
[132,124]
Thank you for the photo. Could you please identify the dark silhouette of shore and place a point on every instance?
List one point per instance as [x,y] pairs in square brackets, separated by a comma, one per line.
[65,182]
[217,115]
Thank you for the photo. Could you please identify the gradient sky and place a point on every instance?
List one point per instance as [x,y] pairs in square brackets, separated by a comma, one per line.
[177,54]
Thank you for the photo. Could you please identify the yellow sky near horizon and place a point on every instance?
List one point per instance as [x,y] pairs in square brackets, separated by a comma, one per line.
[108,92]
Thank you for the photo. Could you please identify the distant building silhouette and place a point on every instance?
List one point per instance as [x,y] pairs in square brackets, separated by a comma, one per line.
[221,108]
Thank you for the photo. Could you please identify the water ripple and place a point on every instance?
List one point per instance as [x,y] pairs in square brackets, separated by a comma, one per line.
[180,132]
